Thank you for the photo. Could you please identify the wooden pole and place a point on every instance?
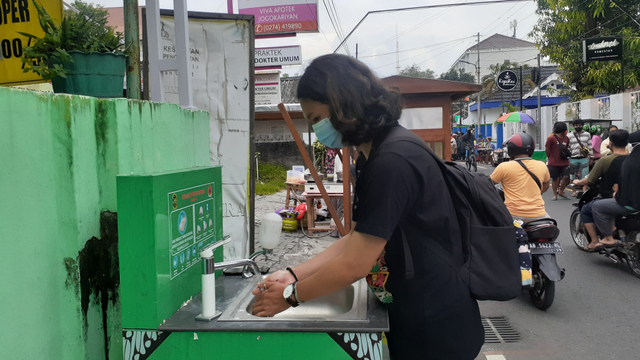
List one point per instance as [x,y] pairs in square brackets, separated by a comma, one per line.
[312,169]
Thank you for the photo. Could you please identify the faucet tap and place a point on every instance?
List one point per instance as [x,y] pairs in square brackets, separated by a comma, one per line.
[237,263]
[208,278]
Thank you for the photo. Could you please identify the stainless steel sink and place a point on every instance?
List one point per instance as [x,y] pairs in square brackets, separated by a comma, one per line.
[348,304]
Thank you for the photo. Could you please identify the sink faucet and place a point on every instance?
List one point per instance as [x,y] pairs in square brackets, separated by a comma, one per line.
[208,278]
[236,263]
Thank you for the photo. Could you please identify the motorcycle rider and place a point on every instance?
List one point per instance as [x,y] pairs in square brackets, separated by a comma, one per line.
[469,140]
[625,201]
[607,169]
[523,190]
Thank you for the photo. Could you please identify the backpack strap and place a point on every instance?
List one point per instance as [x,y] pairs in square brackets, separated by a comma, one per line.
[535,178]
[436,248]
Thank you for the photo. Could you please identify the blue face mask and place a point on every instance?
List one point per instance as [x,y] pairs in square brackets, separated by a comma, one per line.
[327,134]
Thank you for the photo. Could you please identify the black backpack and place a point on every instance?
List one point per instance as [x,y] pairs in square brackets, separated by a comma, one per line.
[491,266]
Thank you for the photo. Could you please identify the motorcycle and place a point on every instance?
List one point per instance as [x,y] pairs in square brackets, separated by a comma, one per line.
[545,271]
[627,233]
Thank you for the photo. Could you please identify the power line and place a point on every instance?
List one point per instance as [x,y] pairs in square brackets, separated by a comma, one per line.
[333,23]
[402,33]
[422,7]
[417,48]
[505,13]
[411,57]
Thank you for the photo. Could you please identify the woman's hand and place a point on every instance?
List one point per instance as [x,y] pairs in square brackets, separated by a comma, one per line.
[281,276]
[270,301]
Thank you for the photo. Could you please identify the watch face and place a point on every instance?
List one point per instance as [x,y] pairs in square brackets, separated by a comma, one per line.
[288,291]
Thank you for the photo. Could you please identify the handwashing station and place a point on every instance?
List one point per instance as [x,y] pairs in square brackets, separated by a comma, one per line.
[177,303]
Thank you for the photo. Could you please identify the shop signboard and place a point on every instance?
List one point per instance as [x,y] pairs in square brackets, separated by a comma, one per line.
[281,16]
[608,48]
[268,88]
[18,16]
[507,80]
[278,56]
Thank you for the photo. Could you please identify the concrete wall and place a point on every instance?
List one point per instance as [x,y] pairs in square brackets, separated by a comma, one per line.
[283,152]
[59,156]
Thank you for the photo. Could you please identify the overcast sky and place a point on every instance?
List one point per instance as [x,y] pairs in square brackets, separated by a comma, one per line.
[430,38]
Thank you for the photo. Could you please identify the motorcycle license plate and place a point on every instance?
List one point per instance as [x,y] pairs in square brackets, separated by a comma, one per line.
[546,248]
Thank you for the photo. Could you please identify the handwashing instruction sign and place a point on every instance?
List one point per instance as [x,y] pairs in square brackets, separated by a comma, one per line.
[192,225]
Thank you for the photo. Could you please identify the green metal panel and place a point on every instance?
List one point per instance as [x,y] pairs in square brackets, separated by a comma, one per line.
[249,346]
[164,220]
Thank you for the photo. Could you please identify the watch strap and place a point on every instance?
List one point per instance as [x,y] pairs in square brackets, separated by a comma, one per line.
[295,292]
[293,299]
[292,273]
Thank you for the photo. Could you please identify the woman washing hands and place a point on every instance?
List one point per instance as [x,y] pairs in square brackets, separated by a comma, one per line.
[400,198]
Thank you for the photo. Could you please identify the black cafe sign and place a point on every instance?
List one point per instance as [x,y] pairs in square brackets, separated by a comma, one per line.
[607,48]
[507,80]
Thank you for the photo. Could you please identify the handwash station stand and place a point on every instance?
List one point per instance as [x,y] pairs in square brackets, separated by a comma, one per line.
[165,221]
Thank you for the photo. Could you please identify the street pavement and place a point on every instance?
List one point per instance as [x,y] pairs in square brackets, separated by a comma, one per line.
[595,315]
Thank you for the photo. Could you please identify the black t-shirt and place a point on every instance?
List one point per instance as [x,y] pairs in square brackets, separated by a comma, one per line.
[611,177]
[628,194]
[401,185]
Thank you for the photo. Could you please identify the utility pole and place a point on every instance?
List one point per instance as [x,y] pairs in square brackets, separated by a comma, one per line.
[539,124]
[397,53]
[479,83]
[132,42]
[520,88]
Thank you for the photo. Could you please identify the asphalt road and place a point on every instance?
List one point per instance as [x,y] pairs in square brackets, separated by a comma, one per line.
[595,315]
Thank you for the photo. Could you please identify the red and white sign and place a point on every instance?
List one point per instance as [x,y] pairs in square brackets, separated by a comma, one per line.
[267,87]
[281,16]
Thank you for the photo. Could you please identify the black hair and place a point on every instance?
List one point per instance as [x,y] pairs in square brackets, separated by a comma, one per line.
[559,128]
[612,126]
[619,138]
[578,122]
[360,106]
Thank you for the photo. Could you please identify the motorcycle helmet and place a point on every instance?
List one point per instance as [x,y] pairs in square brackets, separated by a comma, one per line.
[596,129]
[520,144]
[586,128]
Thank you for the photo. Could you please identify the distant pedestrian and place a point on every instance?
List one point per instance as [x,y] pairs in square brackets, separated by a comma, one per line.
[558,167]
[454,148]
[580,142]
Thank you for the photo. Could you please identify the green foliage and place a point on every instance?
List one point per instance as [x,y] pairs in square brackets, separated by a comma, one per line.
[272,178]
[415,71]
[563,24]
[458,75]
[509,108]
[319,153]
[85,31]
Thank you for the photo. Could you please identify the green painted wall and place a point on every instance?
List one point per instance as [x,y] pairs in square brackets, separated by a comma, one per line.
[59,157]
[249,346]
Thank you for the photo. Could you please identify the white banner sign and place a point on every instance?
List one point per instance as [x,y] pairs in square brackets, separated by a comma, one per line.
[268,88]
[220,71]
[421,118]
[278,56]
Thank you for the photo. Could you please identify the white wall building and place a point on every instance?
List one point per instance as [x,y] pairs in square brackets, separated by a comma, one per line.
[496,49]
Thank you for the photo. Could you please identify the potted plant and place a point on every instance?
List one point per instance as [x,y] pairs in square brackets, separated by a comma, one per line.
[80,55]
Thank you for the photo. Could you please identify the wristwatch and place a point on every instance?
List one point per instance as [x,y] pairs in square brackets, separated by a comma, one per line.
[290,295]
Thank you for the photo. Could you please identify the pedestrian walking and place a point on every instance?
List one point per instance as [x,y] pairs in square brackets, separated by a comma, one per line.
[580,146]
[557,162]
[400,195]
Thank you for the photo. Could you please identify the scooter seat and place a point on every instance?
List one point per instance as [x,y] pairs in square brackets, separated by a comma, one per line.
[543,229]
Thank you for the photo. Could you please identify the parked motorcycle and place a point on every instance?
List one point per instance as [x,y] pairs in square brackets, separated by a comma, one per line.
[545,271]
[628,233]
